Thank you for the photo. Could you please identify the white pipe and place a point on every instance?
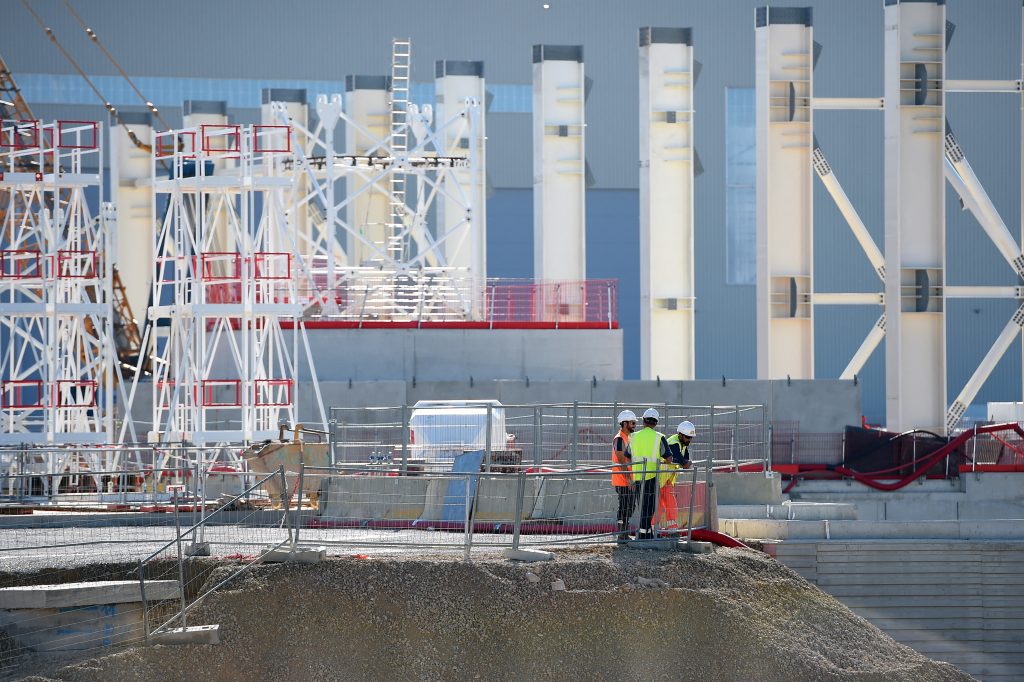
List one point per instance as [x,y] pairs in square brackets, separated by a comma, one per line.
[835,190]
[868,347]
[985,367]
[847,103]
[974,195]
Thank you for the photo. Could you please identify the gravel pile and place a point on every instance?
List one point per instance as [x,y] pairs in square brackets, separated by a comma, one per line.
[600,613]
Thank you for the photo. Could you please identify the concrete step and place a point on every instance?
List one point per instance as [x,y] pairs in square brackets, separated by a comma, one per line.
[999,529]
[800,511]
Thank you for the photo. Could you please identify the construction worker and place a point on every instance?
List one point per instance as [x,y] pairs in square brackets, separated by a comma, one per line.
[622,476]
[648,452]
[678,445]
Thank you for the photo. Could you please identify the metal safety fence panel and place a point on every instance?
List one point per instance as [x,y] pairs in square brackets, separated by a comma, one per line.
[429,436]
[245,529]
[359,508]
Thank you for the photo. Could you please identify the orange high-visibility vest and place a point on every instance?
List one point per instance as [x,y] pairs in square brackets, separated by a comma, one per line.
[621,475]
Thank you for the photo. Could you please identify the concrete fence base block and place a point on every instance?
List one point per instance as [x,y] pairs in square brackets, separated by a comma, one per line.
[663,545]
[194,634]
[696,547]
[197,549]
[300,555]
[528,555]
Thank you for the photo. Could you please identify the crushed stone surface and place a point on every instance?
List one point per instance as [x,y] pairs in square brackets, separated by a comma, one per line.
[623,615]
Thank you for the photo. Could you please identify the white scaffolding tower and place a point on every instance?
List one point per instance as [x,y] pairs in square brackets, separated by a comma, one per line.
[410,270]
[225,296]
[57,361]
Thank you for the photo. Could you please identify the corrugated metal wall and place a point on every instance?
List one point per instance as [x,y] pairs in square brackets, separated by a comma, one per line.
[325,40]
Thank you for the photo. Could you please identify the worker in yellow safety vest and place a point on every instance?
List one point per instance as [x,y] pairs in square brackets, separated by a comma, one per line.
[668,505]
[622,476]
[648,452]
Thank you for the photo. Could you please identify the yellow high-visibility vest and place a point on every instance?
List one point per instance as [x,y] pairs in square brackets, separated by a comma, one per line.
[646,449]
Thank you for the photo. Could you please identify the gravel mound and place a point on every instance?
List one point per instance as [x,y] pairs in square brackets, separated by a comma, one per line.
[597,614]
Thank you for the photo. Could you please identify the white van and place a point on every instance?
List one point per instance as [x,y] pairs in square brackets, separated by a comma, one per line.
[442,429]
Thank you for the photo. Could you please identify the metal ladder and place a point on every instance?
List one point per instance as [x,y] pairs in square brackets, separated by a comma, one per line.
[401,59]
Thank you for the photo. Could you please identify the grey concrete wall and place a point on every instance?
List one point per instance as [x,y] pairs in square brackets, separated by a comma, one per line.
[819,406]
[445,354]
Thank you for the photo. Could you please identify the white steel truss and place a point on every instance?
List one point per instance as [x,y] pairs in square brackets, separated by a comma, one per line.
[667,160]
[57,362]
[226,308]
[341,277]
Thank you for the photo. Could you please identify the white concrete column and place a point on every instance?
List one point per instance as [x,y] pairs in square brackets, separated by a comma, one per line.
[462,210]
[915,220]
[368,125]
[559,165]
[134,200]
[666,203]
[785,219]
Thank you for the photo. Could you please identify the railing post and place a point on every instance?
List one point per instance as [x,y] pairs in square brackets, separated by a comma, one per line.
[405,439]
[538,434]
[655,523]
[487,437]
[708,485]
[467,526]
[520,494]
[142,594]
[711,454]
[974,454]
[298,505]
[735,432]
[611,323]
[181,560]
[333,428]
[558,304]
[284,500]
[574,444]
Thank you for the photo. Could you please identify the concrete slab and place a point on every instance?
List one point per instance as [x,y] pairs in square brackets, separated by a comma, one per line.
[748,488]
[193,634]
[197,549]
[696,547]
[54,630]
[299,555]
[85,594]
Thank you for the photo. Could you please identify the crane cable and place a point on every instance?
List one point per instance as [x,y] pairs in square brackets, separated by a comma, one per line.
[96,40]
[107,105]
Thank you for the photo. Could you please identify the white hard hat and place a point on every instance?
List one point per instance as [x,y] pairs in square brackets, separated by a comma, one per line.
[651,413]
[687,429]
[626,416]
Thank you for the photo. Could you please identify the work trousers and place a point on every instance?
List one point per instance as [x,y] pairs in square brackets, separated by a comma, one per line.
[627,503]
[648,493]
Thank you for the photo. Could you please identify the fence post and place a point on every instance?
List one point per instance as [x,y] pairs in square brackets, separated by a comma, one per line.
[520,494]
[708,485]
[689,515]
[298,505]
[974,454]
[333,428]
[735,431]
[467,523]
[142,595]
[655,523]
[181,560]
[575,434]
[538,434]
[487,437]
[768,449]
[711,455]
[284,500]
[405,439]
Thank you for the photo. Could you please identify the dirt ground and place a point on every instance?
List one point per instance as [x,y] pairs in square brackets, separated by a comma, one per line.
[623,615]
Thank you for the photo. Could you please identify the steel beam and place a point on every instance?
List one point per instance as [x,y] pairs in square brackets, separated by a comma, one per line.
[666,203]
